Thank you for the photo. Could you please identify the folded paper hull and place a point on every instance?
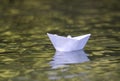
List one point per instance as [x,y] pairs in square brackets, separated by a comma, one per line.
[61,43]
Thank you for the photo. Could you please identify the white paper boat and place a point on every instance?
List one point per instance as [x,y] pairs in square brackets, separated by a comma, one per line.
[60,59]
[68,43]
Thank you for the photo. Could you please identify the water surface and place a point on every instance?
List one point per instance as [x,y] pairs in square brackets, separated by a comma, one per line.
[26,52]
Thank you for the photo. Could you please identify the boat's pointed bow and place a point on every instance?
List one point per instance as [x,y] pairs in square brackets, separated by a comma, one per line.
[88,34]
[48,34]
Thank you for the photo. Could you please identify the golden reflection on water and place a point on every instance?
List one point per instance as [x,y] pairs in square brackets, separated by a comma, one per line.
[25,50]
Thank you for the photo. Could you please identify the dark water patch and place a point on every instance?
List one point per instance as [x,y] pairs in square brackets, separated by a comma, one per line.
[25,50]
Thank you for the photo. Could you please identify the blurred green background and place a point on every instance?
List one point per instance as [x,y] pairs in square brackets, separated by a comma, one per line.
[25,50]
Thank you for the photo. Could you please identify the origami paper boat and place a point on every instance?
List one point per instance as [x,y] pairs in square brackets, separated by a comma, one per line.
[60,59]
[68,43]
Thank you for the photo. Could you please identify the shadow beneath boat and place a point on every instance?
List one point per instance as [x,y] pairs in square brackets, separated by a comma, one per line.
[62,59]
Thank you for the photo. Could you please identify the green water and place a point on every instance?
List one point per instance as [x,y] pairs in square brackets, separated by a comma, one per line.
[25,50]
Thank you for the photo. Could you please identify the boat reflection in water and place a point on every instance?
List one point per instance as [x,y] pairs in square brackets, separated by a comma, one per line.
[62,59]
